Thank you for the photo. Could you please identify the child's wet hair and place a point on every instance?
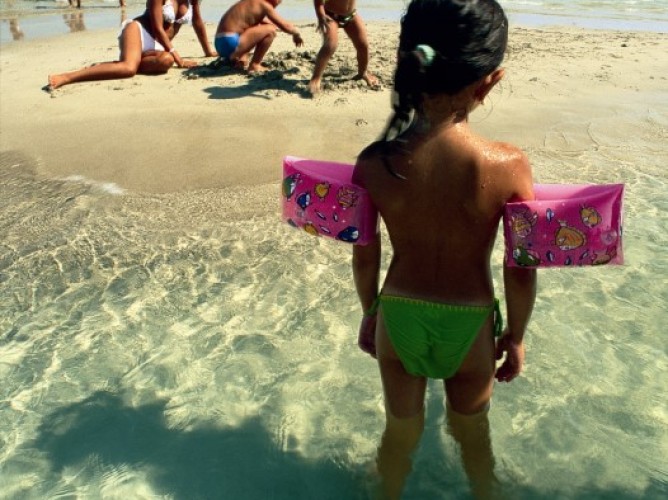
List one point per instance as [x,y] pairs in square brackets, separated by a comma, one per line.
[444,46]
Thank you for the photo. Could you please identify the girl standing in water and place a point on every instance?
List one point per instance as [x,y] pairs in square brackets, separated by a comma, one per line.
[440,189]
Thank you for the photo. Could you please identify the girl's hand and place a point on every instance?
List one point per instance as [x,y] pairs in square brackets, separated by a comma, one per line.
[514,357]
[186,63]
[297,39]
[323,24]
[182,63]
[366,339]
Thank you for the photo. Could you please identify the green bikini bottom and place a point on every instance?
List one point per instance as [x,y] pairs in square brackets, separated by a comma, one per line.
[433,338]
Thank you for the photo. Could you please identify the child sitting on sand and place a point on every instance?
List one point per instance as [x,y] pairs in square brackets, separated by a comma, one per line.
[340,14]
[146,44]
[248,25]
[440,189]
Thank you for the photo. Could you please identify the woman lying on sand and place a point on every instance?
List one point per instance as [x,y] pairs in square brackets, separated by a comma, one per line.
[146,44]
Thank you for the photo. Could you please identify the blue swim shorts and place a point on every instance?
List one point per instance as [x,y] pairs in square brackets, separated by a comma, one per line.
[226,43]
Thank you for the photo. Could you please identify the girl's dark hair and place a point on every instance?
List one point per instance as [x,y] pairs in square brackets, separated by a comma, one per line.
[468,38]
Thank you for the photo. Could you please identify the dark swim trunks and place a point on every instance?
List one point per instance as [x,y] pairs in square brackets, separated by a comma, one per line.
[341,19]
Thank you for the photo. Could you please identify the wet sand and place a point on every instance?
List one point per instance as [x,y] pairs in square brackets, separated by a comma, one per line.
[213,128]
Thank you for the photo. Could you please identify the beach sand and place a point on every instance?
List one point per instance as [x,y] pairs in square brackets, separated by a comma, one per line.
[207,128]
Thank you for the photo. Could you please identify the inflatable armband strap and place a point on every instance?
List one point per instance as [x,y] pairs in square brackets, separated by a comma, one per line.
[566,225]
[321,198]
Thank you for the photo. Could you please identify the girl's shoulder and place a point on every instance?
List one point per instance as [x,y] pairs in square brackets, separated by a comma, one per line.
[368,159]
[372,151]
[508,155]
[512,169]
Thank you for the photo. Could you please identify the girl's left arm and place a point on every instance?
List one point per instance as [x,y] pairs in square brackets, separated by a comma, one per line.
[200,30]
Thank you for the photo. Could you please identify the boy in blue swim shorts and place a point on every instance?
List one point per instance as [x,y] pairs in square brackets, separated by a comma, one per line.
[251,25]
[226,44]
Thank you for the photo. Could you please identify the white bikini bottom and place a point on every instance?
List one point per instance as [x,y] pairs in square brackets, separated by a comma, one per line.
[147,41]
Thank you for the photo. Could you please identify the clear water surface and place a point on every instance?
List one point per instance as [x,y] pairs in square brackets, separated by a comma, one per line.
[189,345]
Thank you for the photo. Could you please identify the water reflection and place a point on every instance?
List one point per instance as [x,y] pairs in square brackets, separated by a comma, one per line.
[121,3]
[15,29]
[73,18]
[74,21]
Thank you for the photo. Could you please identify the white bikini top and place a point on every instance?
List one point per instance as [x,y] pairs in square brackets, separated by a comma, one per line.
[169,15]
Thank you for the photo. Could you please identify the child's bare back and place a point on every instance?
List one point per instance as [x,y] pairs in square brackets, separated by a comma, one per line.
[458,179]
[242,15]
[251,25]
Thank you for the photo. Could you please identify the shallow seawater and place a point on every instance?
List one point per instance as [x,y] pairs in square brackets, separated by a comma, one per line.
[190,345]
[27,19]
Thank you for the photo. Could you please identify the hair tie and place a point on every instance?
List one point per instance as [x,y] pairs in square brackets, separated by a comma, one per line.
[425,55]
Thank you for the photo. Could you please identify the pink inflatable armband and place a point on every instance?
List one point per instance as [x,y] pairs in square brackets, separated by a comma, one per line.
[566,225]
[321,198]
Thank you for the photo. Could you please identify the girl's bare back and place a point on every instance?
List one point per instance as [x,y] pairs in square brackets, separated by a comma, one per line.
[443,216]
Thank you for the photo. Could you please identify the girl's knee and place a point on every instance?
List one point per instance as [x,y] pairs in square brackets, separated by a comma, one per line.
[468,427]
[127,70]
[469,391]
[156,65]
[328,48]
[361,45]
[404,432]
[165,61]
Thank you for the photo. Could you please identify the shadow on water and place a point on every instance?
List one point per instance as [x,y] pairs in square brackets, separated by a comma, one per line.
[208,461]
[205,462]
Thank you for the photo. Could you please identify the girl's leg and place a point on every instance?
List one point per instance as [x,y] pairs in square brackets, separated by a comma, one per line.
[356,31]
[470,389]
[155,62]
[472,434]
[404,413]
[468,396]
[330,40]
[125,68]
[394,460]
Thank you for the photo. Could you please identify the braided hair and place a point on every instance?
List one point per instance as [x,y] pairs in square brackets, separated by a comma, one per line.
[444,46]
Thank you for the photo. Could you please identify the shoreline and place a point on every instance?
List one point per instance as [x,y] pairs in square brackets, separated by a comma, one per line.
[187,131]
[46,23]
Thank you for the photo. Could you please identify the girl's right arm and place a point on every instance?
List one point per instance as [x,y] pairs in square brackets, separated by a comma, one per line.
[323,18]
[520,285]
[155,15]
